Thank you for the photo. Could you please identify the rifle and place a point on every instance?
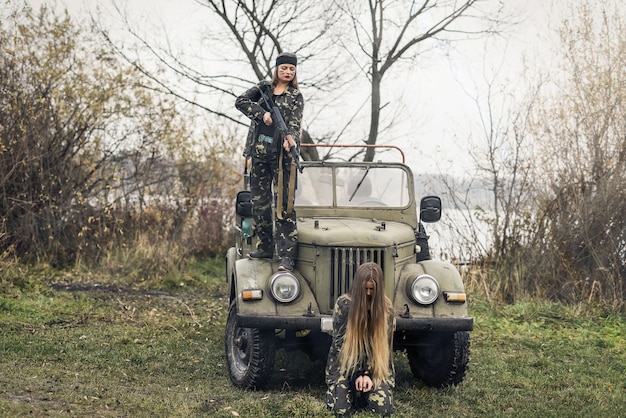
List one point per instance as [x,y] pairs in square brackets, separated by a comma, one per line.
[280,123]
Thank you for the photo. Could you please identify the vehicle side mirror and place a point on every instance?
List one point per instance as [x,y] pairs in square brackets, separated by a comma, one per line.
[430,209]
[243,205]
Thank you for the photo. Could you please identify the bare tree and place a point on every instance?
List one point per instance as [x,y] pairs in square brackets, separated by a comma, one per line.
[505,160]
[263,29]
[90,157]
[389,32]
[245,36]
[582,134]
[554,167]
[498,196]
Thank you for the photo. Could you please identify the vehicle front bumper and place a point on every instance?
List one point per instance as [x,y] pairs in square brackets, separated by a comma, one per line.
[325,323]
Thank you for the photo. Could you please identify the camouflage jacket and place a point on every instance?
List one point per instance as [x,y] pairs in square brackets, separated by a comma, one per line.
[340,321]
[290,103]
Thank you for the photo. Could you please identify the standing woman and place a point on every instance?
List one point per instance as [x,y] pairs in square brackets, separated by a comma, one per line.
[359,373]
[272,162]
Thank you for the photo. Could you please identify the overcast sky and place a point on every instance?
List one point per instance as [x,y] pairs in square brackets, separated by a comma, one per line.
[438,97]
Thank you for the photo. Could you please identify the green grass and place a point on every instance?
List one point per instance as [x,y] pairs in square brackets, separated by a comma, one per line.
[85,345]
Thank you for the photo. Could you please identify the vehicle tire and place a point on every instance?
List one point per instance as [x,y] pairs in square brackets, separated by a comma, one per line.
[440,359]
[250,353]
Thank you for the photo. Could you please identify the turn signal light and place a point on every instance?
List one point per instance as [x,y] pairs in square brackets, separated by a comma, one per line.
[454,297]
[252,294]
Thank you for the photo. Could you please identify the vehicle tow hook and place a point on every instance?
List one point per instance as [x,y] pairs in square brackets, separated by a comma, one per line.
[406,313]
[309,311]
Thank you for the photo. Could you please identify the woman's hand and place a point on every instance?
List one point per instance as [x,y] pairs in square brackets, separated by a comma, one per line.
[363,383]
[267,118]
[288,142]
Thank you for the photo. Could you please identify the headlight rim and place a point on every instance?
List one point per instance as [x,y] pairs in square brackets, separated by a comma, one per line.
[284,274]
[414,292]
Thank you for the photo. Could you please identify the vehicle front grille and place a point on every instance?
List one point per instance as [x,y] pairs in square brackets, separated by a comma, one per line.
[344,264]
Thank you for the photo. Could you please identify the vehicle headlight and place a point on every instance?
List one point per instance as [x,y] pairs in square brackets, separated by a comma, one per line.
[285,287]
[425,289]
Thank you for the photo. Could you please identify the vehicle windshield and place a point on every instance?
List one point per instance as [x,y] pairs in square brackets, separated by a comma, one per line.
[355,185]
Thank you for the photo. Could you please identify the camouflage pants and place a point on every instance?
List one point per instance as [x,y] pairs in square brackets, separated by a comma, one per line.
[263,174]
[343,401]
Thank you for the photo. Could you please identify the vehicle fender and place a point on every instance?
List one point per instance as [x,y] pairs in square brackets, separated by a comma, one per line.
[257,274]
[231,257]
[449,280]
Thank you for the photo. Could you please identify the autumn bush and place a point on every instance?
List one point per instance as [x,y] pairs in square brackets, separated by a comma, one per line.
[96,166]
[554,168]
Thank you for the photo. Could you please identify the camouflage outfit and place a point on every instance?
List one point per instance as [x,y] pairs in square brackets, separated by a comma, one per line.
[266,155]
[341,397]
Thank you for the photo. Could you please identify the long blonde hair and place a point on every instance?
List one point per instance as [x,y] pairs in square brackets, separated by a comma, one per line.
[367,328]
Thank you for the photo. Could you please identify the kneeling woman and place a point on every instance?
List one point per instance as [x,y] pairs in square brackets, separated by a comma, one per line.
[360,373]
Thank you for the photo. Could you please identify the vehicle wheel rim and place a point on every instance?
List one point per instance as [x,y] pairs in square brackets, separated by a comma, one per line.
[241,349]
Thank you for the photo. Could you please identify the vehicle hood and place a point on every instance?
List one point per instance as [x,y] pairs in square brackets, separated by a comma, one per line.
[342,232]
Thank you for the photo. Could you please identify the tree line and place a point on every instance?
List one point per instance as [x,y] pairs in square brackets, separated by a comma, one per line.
[94,163]
[99,151]
[553,163]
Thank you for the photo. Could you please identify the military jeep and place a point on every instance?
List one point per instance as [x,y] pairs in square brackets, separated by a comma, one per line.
[348,213]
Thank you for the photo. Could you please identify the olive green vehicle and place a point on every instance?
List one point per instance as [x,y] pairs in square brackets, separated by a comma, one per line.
[348,213]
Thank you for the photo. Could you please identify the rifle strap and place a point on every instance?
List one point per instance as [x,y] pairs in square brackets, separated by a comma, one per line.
[292,187]
[279,204]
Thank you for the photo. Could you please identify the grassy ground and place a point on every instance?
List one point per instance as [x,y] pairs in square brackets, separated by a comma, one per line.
[84,346]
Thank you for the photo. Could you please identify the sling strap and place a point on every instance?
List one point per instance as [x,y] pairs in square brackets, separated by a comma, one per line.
[292,187]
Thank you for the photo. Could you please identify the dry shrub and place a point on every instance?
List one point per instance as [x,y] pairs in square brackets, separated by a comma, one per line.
[212,232]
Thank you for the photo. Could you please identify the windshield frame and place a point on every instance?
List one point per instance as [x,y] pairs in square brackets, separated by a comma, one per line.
[355,185]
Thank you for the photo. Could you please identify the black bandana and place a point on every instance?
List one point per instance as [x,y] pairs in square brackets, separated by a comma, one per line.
[286,59]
